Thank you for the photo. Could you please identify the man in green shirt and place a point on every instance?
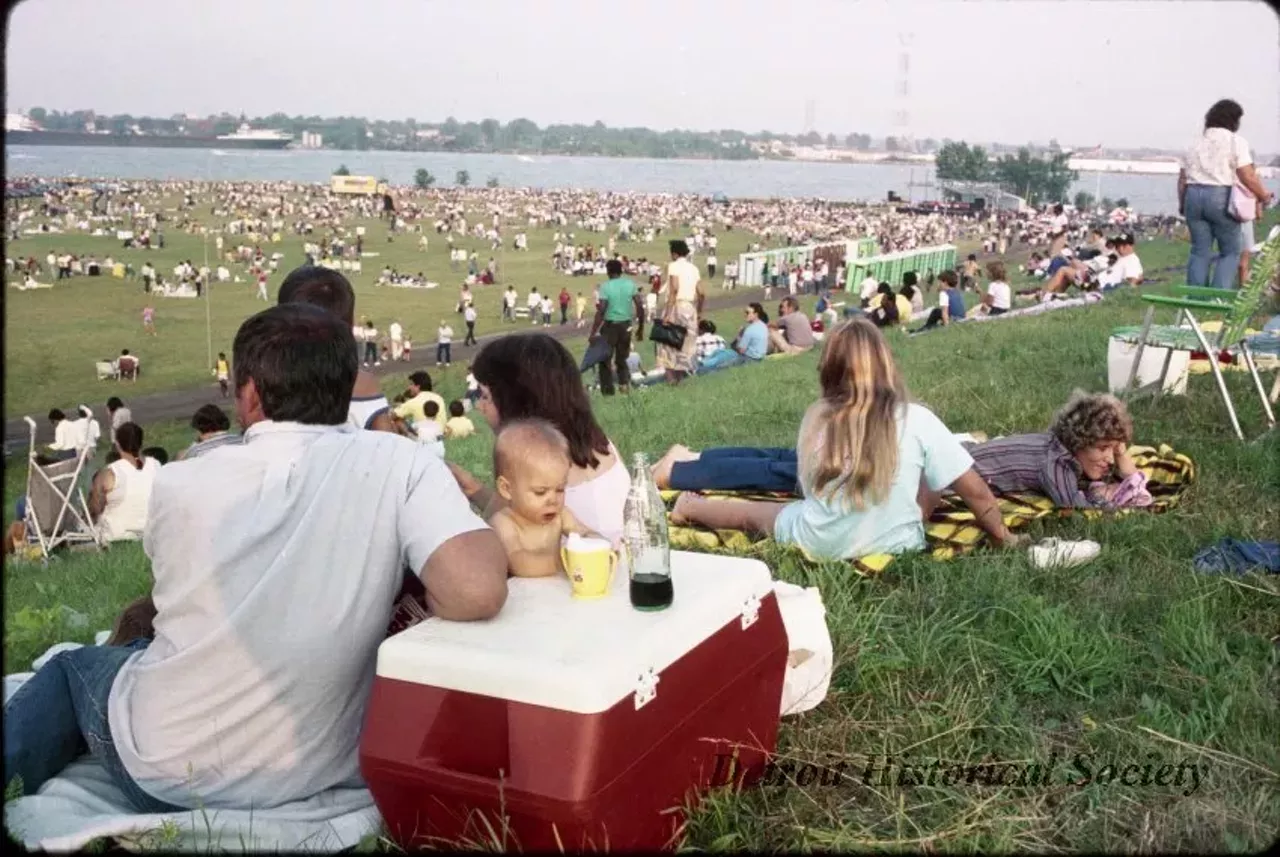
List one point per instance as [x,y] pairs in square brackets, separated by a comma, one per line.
[619,304]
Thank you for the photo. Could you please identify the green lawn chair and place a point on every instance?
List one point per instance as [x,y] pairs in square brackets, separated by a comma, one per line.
[1236,308]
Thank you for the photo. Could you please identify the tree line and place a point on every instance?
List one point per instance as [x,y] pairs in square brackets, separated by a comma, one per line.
[521,136]
[1037,179]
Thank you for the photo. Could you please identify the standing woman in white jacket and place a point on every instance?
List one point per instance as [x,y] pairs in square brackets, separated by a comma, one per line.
[1216,162]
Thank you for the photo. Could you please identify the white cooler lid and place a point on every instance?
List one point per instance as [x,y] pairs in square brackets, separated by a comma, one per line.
[548,648]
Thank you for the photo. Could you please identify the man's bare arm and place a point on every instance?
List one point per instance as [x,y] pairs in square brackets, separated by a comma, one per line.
[597,321]
[466,577]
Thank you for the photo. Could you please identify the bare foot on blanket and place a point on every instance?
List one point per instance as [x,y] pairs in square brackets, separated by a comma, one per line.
[683,506]
[662,470]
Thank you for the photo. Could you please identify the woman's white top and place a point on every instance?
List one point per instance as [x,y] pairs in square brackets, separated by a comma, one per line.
[125,515]
[686,276]
[598,502]
[1214,158]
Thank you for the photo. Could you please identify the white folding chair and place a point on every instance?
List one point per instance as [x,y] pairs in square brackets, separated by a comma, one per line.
[56,511]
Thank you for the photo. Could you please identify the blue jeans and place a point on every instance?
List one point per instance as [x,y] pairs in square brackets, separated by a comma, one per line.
[1205,208]
[60,713]
[733,468]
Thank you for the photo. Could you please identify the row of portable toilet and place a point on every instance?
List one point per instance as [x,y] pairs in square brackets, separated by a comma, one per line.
[752,266]
[889,267]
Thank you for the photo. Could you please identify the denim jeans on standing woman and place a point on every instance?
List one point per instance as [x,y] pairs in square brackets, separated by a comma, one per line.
[60,713]
[1208,219]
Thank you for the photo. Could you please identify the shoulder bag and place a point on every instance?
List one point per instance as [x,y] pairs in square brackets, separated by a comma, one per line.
[667,333]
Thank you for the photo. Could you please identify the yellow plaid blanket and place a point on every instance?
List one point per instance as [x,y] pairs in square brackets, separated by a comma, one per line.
[951,531]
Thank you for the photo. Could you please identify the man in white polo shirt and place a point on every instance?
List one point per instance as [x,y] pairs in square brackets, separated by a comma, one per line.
[276,561]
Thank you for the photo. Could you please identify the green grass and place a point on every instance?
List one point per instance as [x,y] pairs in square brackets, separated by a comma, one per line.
[54,336]
[1132,657]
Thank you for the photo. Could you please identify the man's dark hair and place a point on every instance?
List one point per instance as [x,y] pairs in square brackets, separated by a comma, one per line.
[1224,114]
[431,409]
[114,404]
[421,380]
[680,247]
[210,418]
[791,302]
[456,408]
[910,278]
[159,453]
[706,325]
[322,287]
[613,268]
[948,277]
[56,415]
[302,360]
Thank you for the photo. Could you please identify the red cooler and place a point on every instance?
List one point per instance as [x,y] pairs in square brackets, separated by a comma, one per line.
[566,724]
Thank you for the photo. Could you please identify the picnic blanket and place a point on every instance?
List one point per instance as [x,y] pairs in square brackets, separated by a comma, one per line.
[83,804]
[950,531]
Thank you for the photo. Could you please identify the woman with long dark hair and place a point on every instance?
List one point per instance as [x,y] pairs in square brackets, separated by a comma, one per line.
[533,376]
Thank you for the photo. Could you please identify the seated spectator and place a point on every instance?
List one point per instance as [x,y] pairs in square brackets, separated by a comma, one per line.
[791,333]
[128,366]
[866,458]
[999,297]
[950,303]
[1123,267]
[412,410]
[891,310]
[68,436]
[533,376]
[331,291]
[1127,268]
[1080,463]
[212,428]
[118,412]
[158,453]
[121,491]
[307,520]
[752,342]
[708,342]
[459,425]
[911,291]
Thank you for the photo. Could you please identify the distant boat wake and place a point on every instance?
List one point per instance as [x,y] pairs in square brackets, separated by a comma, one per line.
[526,159]
[217,152]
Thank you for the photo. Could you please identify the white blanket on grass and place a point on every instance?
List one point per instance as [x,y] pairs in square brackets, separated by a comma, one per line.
[83,803]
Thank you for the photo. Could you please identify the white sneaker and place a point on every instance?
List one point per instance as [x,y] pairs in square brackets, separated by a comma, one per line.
[1060,553]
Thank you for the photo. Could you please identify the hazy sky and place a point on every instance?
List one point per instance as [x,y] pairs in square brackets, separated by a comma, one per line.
[1084,72]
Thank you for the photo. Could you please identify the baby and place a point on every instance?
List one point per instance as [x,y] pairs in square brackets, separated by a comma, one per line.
[531,463]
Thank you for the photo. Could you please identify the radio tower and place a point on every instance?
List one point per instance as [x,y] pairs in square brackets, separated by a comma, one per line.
[902,115]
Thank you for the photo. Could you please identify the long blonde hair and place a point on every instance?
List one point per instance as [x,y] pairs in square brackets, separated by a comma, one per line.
[862,397]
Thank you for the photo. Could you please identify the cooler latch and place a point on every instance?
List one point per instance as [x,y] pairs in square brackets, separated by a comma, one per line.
[750,611]
[646,688]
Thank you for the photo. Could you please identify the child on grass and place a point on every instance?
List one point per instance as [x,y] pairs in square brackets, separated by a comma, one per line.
[458,425]
[531,462]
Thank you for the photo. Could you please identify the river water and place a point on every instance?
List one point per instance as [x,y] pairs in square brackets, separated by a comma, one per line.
[1148,194]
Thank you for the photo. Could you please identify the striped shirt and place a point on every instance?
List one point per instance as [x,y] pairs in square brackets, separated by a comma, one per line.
[1033,463]
[210,443]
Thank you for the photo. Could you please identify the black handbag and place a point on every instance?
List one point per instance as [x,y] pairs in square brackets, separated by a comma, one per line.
[666,333]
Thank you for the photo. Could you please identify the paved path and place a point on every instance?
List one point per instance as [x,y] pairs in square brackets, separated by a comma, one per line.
[181,404]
